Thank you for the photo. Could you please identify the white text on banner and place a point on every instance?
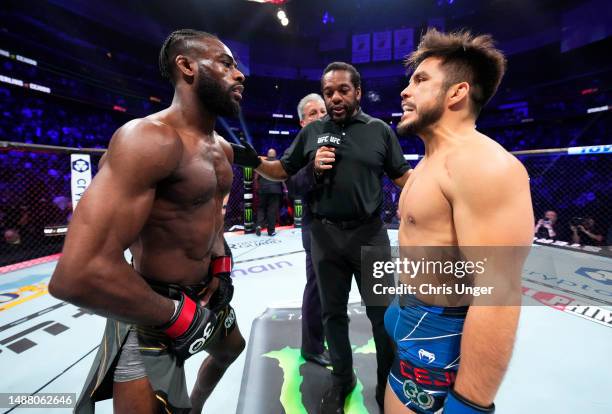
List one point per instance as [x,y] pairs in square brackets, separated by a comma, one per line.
[80,169]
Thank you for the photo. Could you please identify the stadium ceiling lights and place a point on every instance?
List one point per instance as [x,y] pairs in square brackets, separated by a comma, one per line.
[282,16]
[277,2]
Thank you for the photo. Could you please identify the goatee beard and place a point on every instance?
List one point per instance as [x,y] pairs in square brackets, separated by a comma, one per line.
[424,120]
[216,99]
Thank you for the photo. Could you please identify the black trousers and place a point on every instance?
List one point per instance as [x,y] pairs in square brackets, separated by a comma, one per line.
[267,210]
[312,323]
[336,257]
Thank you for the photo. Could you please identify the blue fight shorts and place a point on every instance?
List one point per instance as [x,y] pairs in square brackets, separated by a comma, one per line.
[428,340]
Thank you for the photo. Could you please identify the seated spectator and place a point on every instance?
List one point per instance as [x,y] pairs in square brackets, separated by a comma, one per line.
[585,232]
[546,227]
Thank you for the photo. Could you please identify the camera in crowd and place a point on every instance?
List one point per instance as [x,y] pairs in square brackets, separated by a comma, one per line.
[577,221]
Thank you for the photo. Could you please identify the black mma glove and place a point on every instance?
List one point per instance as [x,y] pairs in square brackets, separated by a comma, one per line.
[190,328]
[245,155]
[221,268]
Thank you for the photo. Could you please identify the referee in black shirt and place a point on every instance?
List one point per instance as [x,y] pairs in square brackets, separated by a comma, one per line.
[348,152]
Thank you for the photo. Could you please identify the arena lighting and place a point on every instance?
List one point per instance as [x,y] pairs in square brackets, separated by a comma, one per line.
[598,109]
[55,230]
[19,82]
[285,21]
[228,129]
[39,88]
[18,58]
[327,18]
[119,108]
[244,128]
[154,99]
[11,81]
[281,14]
[513,105]
[26,60]
[279,2]
[588,91]
[397,114]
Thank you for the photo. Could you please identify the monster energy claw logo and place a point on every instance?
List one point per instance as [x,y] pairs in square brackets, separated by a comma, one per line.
[248,215]
[248,174]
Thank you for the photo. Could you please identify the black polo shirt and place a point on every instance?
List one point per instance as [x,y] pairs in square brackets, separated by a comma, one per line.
[366,147]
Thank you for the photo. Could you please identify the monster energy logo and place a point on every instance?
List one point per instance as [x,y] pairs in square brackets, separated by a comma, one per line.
[290,361]
[248,174]
[248,215]
[298,210]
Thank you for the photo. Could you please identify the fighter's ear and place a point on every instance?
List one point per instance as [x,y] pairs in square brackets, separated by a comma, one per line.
[358,93]
[459,92]
[184,66]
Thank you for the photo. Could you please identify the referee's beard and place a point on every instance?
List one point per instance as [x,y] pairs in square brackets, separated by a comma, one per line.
[350,109]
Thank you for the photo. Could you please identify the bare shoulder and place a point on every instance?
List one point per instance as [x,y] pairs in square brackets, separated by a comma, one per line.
[227,148]
[145,142]
[485,166]
[144,132]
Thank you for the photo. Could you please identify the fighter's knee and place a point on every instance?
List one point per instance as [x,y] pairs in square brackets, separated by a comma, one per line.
[240,346]
[231,351]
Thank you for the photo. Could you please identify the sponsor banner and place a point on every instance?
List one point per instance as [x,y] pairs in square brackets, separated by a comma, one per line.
[403,43]
[567,304]
[361,48]
[381,46]
[80,168]
[594,149]
[593,313]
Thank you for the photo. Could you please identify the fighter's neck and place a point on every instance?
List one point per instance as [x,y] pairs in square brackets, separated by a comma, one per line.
[442,135]
[188,113]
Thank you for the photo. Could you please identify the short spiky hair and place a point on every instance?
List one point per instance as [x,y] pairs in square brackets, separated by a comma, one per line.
[355,76]
[465,58]
[178,42]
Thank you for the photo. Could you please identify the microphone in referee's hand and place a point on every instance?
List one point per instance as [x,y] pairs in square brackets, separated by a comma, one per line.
[324,159]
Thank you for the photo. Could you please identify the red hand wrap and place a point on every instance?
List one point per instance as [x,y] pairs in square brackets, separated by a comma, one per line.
[221,264]
[184,318]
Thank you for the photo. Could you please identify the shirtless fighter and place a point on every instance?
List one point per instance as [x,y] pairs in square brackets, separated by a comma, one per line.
[466,191]
[159,193]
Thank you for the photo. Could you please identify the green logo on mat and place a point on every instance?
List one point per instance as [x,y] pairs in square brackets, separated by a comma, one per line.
[290,361]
